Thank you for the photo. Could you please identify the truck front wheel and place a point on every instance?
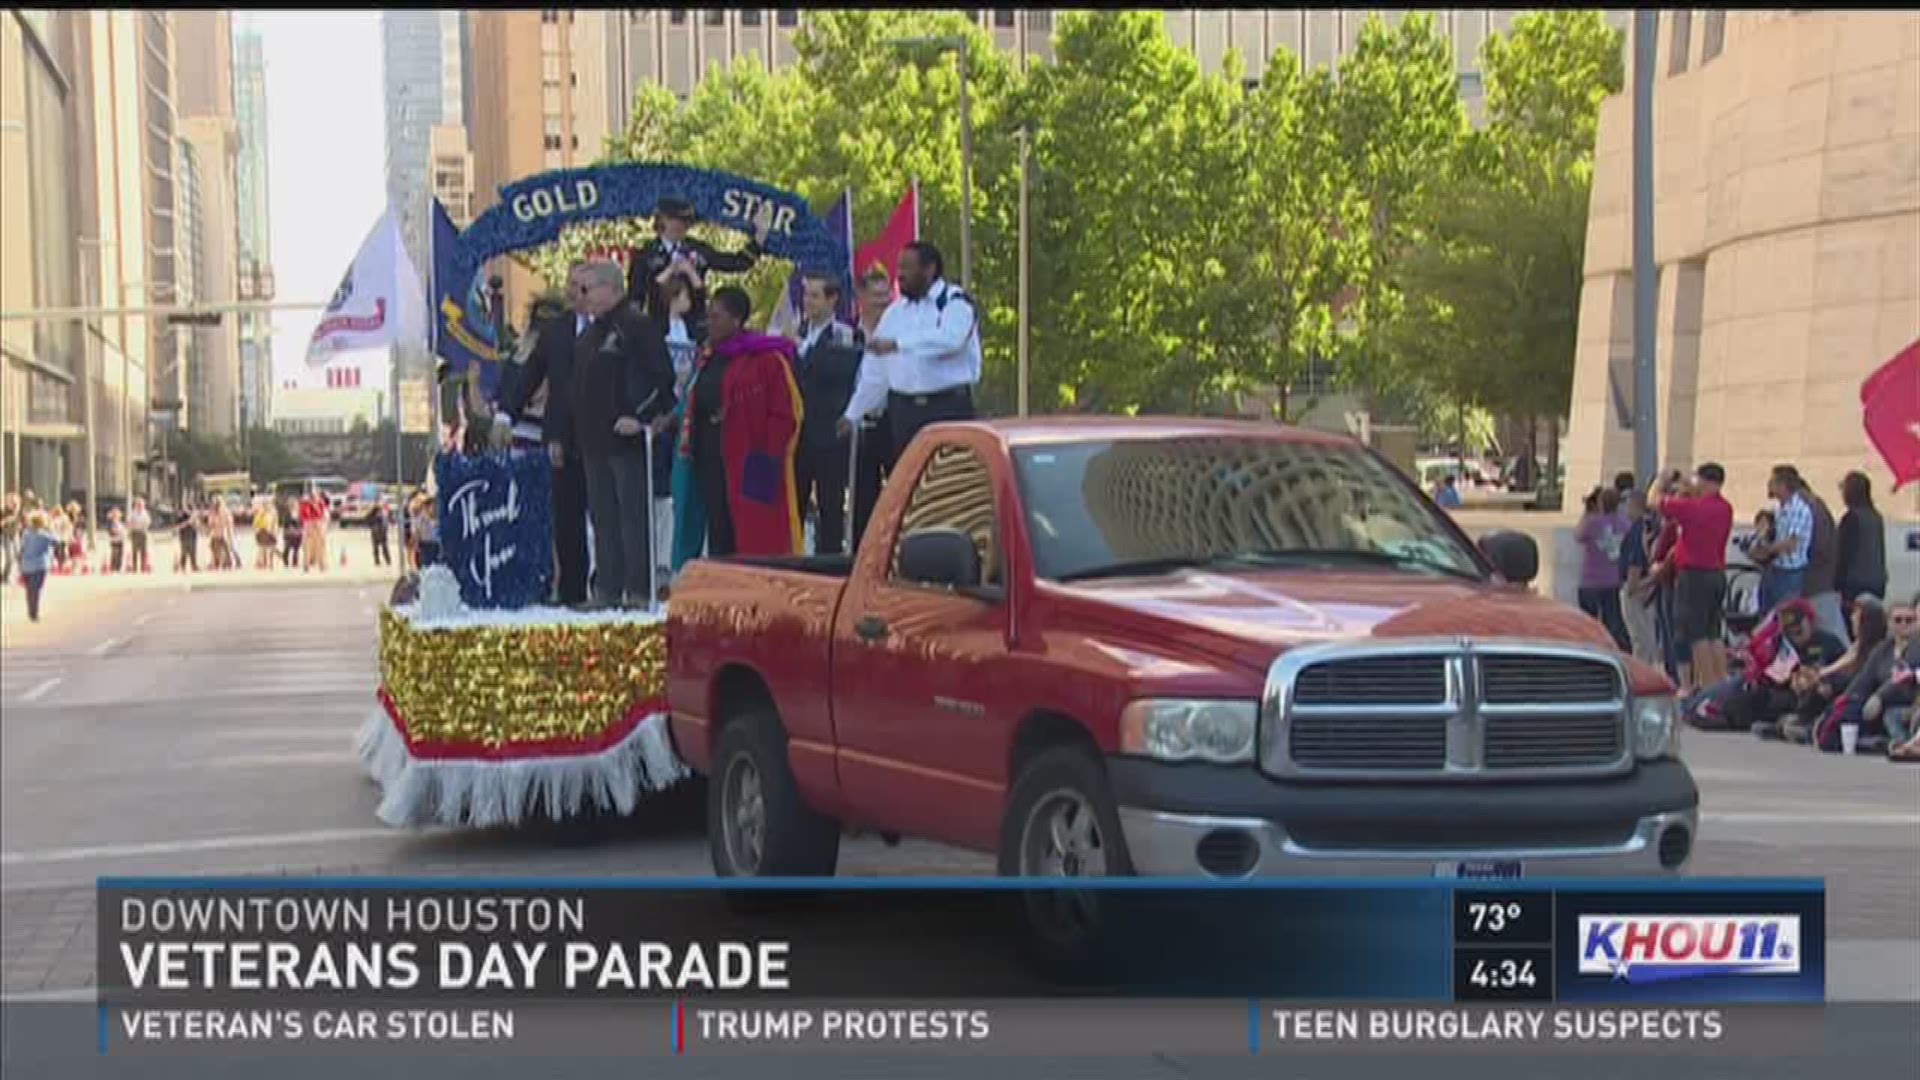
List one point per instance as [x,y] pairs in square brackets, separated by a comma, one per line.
[1061,820]
[757,824]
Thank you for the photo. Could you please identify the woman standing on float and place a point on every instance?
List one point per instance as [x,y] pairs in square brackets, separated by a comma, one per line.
[742,425]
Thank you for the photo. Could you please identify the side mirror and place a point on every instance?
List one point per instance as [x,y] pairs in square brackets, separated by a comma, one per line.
[1514,555]
[940,557]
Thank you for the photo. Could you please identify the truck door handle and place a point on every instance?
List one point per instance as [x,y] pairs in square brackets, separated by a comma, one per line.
[871,628]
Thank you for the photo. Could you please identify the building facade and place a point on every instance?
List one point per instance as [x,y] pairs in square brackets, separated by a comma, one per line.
[45,441]
[204,107]
[425,88]
[252,206]
[1787,233]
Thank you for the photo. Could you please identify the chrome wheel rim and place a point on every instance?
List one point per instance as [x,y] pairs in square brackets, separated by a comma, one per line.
[1064,838]
[743,817]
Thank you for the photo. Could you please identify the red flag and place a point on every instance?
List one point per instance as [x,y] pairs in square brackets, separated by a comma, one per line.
[1890,411]
[883,251]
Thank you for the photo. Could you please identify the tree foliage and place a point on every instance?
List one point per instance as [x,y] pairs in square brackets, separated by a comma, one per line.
[1194,244]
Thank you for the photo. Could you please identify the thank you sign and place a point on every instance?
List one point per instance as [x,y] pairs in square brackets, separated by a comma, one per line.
[496,526]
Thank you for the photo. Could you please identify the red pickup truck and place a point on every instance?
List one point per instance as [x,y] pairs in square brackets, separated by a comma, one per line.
[1192,648]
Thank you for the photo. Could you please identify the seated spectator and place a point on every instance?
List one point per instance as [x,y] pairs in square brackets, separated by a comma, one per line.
[1826,687]
[1768,693]
[1883,690]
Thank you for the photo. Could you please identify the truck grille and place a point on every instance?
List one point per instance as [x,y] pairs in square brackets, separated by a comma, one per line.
[1381,680]
[1452,710]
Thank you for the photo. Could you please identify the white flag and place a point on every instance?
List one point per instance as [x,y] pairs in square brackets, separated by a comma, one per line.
[379,303]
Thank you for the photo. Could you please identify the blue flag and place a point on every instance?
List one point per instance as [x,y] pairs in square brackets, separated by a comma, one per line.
[464,333]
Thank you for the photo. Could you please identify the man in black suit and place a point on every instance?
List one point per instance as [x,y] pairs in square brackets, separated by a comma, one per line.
[536,397]
[827,364]
[622,381]
[646,279]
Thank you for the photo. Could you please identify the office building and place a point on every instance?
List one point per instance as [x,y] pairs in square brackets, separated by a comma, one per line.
[253,210]
[204,105]
[1787,233]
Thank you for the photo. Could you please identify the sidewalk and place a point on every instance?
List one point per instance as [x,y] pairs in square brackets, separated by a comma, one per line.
[65,592]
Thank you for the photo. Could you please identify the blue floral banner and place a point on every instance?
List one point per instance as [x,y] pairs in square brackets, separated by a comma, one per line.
[496,526]
[534,212]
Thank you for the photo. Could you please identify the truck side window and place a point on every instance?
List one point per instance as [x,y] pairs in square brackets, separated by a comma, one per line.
[954,491]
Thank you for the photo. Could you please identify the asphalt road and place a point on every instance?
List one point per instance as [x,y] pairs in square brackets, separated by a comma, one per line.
[208,730]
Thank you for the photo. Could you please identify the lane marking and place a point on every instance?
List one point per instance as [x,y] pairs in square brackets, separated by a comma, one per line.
[42,690]
[104,647]
[211,843]
[1775,817]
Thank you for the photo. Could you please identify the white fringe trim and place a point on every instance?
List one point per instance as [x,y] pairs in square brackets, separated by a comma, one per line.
[485,794]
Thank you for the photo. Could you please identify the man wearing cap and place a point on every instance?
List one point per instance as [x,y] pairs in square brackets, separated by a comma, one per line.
[924,355]
[671,248]
[1705,522]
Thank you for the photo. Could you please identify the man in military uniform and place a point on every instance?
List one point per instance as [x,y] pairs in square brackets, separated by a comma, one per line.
[654,264]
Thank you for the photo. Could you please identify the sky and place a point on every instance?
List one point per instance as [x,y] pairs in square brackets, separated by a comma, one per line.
[326,179]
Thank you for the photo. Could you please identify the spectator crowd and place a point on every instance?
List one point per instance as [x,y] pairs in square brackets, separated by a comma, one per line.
[1796,641]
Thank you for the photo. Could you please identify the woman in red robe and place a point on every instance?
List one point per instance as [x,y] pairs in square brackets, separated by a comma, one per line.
[741,426]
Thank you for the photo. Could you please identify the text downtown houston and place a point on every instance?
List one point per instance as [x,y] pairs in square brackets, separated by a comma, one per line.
[452,913]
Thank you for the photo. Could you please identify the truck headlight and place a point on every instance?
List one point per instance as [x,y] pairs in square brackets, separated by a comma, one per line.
[1656,728]
[1190,730]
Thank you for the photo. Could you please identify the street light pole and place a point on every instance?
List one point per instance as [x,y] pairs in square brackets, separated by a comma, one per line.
[1026,152]
[1646,282]
[966,176]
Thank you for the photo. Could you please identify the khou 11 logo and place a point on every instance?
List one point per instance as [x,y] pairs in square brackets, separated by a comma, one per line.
[1662,948]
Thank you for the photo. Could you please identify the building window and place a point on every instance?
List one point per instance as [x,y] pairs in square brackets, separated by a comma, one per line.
[576,142]
[1040,20]
[716,17]
[1714,36]
[553,142]
[1680,43]
[1003,17]
[750,17]
[787,17]
[1471,84]
[549,15]
[678,17]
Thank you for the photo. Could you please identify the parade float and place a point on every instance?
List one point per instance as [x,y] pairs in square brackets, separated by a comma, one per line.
[493,707]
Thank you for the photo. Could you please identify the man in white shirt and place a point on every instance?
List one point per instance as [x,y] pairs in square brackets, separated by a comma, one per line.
[923,360]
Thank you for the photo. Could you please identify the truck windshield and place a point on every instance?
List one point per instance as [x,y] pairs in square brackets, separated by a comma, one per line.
[1117,508]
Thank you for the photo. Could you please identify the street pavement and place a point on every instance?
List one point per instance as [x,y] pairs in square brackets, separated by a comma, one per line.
[207,728]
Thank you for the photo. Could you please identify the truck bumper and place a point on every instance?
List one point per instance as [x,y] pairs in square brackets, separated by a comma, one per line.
[1231,823]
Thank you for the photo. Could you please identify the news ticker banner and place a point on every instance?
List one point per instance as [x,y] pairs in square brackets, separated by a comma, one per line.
[278,957]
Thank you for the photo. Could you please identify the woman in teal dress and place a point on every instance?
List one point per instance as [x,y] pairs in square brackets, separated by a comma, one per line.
[689,513]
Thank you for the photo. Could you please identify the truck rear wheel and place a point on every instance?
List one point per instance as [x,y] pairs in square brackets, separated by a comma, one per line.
[757,824]
[1061,820]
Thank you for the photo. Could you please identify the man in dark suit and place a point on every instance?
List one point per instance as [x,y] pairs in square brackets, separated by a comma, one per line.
[827,364]
[536,398]
[646,280]
[622,381]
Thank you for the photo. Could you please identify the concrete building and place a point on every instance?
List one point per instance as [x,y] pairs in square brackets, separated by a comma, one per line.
[453,172]
[45,438]
[204,104]
[1787,231]
[214,381]
[328,411]
[542,99]
[113,245]
[425,88]
[256,238]
[673,47]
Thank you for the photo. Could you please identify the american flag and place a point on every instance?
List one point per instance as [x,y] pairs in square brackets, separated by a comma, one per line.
[343,378]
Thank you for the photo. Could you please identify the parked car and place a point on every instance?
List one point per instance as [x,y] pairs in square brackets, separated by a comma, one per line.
[1175,648]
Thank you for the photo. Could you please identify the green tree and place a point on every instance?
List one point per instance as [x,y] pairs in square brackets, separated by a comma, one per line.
[1401,126]
[1134,215]
[1496,321]
[268,456]
[1308,230]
